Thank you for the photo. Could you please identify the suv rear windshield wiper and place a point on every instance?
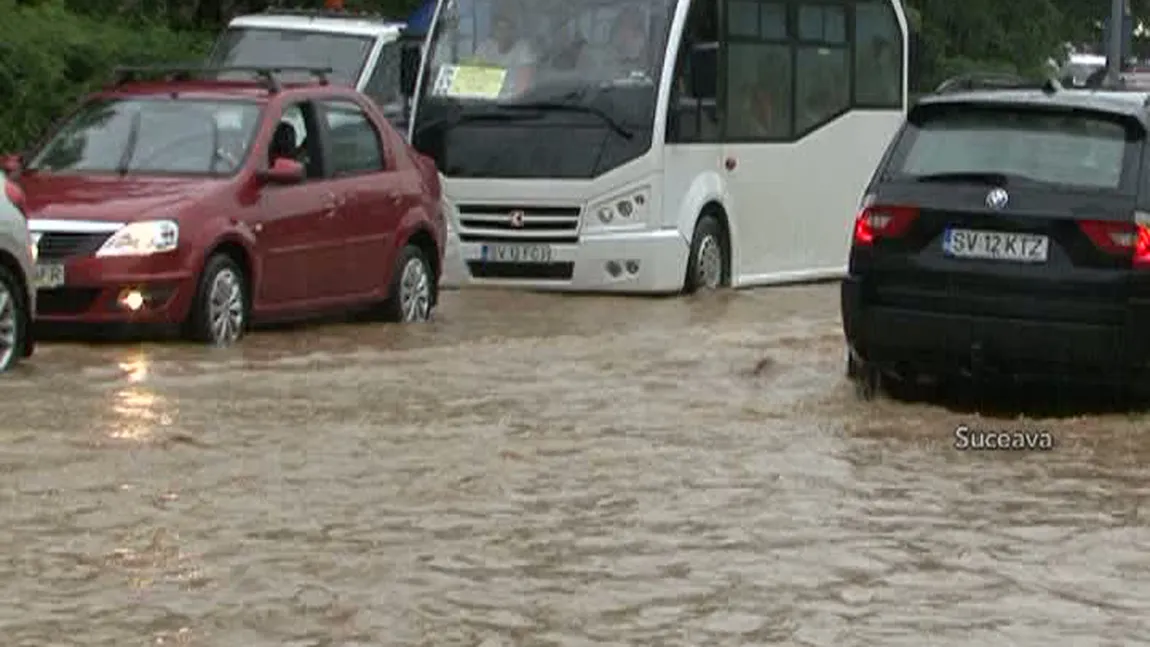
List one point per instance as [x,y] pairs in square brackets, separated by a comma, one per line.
[978,177]
[619,128]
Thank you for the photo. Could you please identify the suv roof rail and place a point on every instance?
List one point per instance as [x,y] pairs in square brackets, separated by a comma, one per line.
[326,13]
[991,81]
[267,74]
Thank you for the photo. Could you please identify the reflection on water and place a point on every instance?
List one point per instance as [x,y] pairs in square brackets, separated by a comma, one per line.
[135,369]
[136,413]
[136,410]
[545,470]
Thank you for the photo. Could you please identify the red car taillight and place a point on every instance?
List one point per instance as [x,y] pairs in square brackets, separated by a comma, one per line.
[882,221]
[1121,238]
[15,195]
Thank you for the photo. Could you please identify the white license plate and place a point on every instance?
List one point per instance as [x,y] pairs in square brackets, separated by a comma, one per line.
[516,253]
[996,245]
[49,276]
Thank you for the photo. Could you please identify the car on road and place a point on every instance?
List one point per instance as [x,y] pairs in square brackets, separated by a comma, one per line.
[176,197]
[1006,234]
[17,296]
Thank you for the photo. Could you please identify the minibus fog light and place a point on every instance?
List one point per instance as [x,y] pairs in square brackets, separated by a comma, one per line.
[632,267]
[614,269]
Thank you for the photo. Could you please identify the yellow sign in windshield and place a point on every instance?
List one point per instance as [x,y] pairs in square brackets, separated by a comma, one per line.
[471,81]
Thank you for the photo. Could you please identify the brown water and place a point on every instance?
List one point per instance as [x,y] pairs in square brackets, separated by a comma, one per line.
[548,470]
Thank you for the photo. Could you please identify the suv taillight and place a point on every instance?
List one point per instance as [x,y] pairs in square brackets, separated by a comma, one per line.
[15,195]
[1121,238]
[882,221]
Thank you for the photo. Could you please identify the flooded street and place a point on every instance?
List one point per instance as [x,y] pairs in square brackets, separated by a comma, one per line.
[549,470]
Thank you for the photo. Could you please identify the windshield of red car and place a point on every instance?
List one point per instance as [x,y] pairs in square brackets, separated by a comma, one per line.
[152,136]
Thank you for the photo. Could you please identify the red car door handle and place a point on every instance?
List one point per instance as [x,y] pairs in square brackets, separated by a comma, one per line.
[332,203]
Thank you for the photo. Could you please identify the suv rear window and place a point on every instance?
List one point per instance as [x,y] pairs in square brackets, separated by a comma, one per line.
[1076,149]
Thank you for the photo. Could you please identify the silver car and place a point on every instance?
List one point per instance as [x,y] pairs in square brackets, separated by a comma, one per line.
[17,277]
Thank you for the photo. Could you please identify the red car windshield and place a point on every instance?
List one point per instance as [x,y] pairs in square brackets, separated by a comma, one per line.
[153,136]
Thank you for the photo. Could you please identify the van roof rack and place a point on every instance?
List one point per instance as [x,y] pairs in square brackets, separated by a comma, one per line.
[991,81]
[269,75]
[326,13]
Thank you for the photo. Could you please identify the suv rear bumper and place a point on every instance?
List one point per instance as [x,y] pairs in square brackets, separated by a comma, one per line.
[906,340]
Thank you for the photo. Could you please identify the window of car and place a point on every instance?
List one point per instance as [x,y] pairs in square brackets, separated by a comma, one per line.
[356,145]
[294,138]
[1073,149]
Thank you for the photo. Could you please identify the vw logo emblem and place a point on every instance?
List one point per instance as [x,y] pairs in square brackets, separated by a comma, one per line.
[517,219]
[997,199]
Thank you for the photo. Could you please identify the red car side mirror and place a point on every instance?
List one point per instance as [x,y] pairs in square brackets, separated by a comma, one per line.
[282,171]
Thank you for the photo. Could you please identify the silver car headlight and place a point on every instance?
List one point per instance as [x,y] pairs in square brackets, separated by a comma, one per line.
[142,239]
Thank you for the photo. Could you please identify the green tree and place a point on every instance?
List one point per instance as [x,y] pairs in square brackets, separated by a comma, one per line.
[40,83]
[986,35]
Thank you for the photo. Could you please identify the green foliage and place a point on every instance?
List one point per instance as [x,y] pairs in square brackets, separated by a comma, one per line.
[985,35]
[50,57]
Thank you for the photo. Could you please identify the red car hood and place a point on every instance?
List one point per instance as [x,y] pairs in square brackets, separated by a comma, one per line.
[111,199]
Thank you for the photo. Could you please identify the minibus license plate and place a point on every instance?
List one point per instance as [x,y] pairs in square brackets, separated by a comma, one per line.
[996,245]
[516,253]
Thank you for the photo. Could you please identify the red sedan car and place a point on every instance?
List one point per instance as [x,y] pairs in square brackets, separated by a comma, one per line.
[211,203]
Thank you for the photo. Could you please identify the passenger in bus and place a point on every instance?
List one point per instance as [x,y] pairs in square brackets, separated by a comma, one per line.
[755,116]
[505,48]
[627,54]
[762,112]
[570,51]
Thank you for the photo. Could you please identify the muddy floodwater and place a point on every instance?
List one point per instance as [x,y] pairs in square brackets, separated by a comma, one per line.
[550,470]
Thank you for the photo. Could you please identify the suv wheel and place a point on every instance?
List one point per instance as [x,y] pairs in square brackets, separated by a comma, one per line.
[219,313]
[707,262]
[13,320]
[412,293]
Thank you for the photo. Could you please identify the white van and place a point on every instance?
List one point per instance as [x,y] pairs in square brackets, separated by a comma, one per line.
[362,50]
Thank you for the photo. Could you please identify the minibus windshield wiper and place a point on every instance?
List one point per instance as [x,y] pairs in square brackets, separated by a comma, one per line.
[452,120]
[567,106]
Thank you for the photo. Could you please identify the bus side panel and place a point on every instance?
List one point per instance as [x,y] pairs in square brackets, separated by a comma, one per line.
[794,203]
[692,178]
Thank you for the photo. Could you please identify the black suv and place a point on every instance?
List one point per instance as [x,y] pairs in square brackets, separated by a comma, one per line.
[1006,234]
